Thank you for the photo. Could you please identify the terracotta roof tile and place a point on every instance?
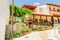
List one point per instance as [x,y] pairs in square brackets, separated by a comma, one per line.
[29,7]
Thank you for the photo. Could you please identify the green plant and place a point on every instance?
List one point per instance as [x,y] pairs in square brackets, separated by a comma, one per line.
[9,21]
[20,32]
[20,12]
[17,33]
[28,29]
[23,31]
[34,28]
[45,22]
[17,21]
[7,34]
[39,28]
[43,27]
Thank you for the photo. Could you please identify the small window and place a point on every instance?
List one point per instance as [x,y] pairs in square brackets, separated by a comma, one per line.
[49,8]
[58,10]
[54,9]
[41,9]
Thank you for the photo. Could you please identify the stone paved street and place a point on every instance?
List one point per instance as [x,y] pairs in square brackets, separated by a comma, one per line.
[42,35]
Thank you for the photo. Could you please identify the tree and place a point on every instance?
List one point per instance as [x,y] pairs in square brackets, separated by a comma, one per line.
[20,12]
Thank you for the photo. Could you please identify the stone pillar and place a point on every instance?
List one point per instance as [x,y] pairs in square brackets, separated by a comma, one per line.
[52,20]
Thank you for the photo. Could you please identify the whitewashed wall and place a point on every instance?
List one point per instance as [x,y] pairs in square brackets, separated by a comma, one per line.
[45,9]
[4,17]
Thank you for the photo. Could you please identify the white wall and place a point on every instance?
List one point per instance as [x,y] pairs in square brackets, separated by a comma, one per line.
[45,9]
[4,17]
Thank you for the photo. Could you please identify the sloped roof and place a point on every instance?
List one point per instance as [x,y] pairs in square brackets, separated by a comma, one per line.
[29,7]
[53,5]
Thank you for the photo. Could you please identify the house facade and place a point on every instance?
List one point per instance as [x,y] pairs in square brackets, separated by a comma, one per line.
[49,12]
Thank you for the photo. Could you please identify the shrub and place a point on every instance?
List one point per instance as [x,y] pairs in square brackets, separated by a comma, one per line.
[39,28]
[28,29]
[17,33]
[23,31]
[6,34]
[36,28]
[20,32]
[45,22]
[43,27]
[33,29]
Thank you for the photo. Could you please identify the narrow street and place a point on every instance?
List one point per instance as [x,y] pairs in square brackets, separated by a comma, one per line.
[42,35]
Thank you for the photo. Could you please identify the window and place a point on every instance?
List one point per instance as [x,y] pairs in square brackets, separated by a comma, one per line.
[58,10]
[41,9]
[54,9]
[49,8]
